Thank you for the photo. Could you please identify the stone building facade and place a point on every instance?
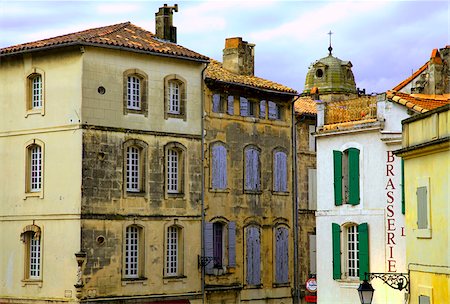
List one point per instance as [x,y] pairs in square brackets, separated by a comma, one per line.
[248,183]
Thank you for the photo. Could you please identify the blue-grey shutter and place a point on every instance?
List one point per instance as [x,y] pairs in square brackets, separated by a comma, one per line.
[216,103]
[281,256]
[243,105]
[253,256]
[273,110]
[422,208]
[256,169]
[232,244]
[280,175]
[215,167]
[219,167]
[252,173]
[230,105]
[262,109]
[209,251]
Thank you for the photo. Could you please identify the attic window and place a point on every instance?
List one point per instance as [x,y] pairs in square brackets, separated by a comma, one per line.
[319,73]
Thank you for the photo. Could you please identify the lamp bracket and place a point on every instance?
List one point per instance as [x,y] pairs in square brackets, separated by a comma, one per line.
[204,260]
[395,280]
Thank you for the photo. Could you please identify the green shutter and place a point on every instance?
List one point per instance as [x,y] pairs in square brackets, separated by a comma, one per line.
[336,237]
[353,176]
[403,187]
[337,160]
[363,242]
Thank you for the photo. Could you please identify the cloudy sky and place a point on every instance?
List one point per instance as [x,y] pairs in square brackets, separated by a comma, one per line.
[384,40]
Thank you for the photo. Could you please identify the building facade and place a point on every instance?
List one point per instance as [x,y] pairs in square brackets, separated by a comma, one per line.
[248,182]
[101,196]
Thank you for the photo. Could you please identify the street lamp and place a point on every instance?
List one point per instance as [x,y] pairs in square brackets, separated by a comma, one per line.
[365,291]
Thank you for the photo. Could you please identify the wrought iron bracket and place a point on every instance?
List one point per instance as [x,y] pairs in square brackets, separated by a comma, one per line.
[203,261]
[395,280]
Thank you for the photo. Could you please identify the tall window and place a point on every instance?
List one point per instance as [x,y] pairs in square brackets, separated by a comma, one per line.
[279,171]
[346,177]
[33,253]
[36,96]
[274,111]
[246,107]
[134,92]
[253,254]
[252,169]
[172,251]
[216,246]
[262,109]
[34,168]
[219,166]
[230,105]
[281,255]
[174,97]
[133,174]
[172,171]
[353,261]
[132,252]
[35,92]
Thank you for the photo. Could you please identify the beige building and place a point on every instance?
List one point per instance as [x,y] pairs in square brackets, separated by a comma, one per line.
[100,137]
[249,228]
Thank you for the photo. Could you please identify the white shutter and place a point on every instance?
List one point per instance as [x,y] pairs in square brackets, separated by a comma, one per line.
[312,254]
[312,189]
[312,139]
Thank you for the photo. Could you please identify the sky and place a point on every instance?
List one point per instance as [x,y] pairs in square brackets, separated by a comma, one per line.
[384,40]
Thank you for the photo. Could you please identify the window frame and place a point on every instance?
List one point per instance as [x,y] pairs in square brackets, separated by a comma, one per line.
[143,92]
[181,166]
[182,97]
[31,75]
[142,148]
[222,168]
[178,252]
[29,233]
[247,179]
[29,190]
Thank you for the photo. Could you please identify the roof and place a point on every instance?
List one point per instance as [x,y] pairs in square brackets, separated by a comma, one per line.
[305,105]
[215,71]
[402,84]
[122,35]
[419,102]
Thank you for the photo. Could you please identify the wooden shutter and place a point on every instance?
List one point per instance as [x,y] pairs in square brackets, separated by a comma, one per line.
[232,244]
[243,105]
[273,110]
[353,176]
[422,208]
[252,175]
[253,256]
[216,103]
[363,252]
[280,174]
[312,189]
[336,239]
[403,186]
[219,167]
[262,109]
[230,105]
[337,161]
[281,256]
[209,251]
[312,253]
[312,139]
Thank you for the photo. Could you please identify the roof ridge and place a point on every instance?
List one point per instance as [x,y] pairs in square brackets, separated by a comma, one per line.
[113,29]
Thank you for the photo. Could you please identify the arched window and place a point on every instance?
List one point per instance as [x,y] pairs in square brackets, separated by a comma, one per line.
[133,252]
[33,253]
[35,92]
[134,92]
[252,169]
[174,252]
[279,171]
[218,166]
[34,167]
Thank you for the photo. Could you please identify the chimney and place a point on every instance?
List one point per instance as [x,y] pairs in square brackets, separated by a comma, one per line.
[239,56]
[164,23]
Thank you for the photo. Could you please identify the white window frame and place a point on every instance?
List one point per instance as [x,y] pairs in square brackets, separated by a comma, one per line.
[351,255]
[174,98]
[173,171]
[134,92]
[172,251]
[34,262]
[36,92]
[131,269]
[35,168]
[133,179]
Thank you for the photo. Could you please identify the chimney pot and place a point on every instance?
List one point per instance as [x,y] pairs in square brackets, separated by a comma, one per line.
[164,28]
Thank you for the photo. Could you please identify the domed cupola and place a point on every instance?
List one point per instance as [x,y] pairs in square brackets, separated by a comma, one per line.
[330,75]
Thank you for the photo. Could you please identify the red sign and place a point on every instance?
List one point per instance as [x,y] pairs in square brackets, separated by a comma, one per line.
[311,299]
[311,285]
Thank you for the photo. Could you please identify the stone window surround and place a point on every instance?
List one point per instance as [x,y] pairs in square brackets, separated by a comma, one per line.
[29,232]
[28,145]
[182,96]
[143,92]
[141,278]
[143,147]
[29,110]
[181,169]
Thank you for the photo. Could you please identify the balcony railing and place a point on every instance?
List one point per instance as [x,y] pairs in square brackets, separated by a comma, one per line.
[362,108]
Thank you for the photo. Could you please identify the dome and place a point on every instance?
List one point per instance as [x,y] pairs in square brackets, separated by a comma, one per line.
[330,75]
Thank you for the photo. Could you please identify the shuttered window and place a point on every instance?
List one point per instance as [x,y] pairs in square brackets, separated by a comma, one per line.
[230,105]
[209,247]
[252,170]
[352,245]
[353,176]
[274,110]
[312,189]
[214,245]
[216,102]
[336,241]
[346,177]
[218,244]
[422,208]
[337,165]
[253,261]
[363,241]
[281,255]
[280,172]
[262,109]
[219,167]
[232,244]
[243,105]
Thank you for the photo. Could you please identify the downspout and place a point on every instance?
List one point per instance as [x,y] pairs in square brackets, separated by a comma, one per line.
[202,251]
[295,202]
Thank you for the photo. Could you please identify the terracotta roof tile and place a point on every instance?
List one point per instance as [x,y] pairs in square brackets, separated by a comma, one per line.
[305,105]
[419,102]
[216,72]
[125,35]
[402,84]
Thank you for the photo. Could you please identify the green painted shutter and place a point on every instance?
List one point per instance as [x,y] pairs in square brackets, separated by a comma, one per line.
[403,187]
[353,176]
[337,160]
[363,241]
[336,237]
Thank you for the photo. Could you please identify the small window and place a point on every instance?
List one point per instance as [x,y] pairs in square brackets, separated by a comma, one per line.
[274,111]
[135,92]
[218,104]
[280,171]
[175,97]
[173,251]
[319,73]
[247,108]
[218,166]
[252,169]
[35,92]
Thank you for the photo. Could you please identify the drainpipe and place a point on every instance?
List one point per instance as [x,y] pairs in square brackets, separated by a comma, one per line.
[202,251]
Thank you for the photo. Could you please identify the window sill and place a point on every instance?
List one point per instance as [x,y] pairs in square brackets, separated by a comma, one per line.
[422,233]
[39,194]
[177,116]
[257,192]
[176,278]
[279,285]
[135,111]
[259,286]
[284,193]
[35,111]
[349,283]
[175,195]
[135,194]
[139,280]
[219,190]
[37,282]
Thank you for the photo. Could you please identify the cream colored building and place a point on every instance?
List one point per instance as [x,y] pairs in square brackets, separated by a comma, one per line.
[100,191]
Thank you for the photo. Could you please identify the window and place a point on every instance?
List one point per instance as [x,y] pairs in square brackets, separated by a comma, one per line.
[423,208]
[133,254]
[253,254]
[319,73]
[252,169]
[173,251]
[135,92]
[216,246]
[274,111]
[34,168]
[262,109]
[174,169]
[134,166]
[354,262]
[175,97]
[281,255]
[35,92]
[33,252]
[312,138]
[218,105]
[346,177]
[246,107]
[312,189]
[279,171]
[218,166]
[230,104]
